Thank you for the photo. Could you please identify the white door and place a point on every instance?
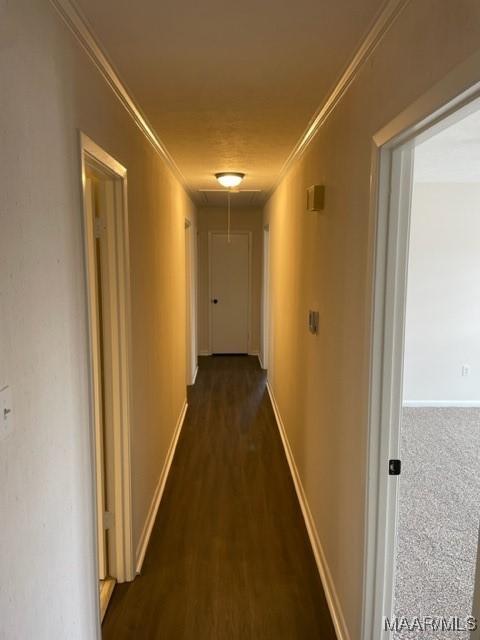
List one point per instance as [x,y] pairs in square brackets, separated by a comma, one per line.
[229,292]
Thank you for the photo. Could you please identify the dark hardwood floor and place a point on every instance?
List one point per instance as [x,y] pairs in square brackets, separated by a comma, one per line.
[229,557]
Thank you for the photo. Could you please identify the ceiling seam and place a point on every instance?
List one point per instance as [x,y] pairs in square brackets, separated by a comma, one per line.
[77,24]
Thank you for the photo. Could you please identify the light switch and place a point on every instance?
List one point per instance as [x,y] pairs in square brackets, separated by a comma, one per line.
[6,412]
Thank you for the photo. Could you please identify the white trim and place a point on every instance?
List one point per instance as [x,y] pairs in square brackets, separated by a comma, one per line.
[265,298]
[384,20]
[390,379]
[119,262]
[441,403]
[157,496]
[254,353]
[455,91]
[194,379]
[320,559]
[249,234]
[259,356]
[191,301]
[204,352]
[78,25]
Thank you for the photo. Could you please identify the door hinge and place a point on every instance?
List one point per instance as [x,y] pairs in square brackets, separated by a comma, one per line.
[394,467]
[108,520]
[99,226]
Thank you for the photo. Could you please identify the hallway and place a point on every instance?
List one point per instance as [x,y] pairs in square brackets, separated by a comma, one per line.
[229,557]
[184,179]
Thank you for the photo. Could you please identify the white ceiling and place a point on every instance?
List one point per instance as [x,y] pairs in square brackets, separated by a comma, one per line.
[453,155]
[229,85]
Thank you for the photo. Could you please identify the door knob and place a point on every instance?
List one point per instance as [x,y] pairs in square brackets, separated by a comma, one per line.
[215,300]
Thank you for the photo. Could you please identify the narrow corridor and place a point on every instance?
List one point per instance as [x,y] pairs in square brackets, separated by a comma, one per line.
[229,557]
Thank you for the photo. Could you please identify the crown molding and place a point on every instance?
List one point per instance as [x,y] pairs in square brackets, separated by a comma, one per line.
[382,23]
[78,25]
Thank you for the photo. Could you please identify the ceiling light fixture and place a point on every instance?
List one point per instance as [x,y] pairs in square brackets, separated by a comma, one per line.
[229,179]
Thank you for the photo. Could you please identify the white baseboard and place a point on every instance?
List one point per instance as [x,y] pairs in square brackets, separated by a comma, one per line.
[322,565]
[260,361]
[195,375]
[441,403]
[254,353]
[157,496]
[204,352]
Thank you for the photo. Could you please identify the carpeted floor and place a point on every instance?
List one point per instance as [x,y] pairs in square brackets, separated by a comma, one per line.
[439,510]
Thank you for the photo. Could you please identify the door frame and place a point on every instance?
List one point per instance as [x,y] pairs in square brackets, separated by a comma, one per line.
[388,242]
[249,234]
[191,302]
[120,310]
[265,347]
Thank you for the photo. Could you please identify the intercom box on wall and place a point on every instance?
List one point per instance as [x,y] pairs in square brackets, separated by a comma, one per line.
[316,197]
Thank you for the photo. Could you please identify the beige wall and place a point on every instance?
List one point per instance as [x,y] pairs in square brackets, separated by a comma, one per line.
[322,260]
[215,219]
[49,90]
[443,295]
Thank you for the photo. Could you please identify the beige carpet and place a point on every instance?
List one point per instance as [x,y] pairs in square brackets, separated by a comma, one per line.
[439,510]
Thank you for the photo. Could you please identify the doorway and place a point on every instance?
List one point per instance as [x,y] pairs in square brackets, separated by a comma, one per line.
[107,266]
[425,396]
[266,299]
[229,292]
[190,304]
[439,441]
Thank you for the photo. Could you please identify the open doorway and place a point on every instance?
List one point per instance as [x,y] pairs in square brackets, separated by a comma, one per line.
[190,304]
[426,385]
[107,265]
[439,442]
[265,337]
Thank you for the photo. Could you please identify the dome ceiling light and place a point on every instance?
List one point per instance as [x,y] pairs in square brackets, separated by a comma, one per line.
[230,179]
